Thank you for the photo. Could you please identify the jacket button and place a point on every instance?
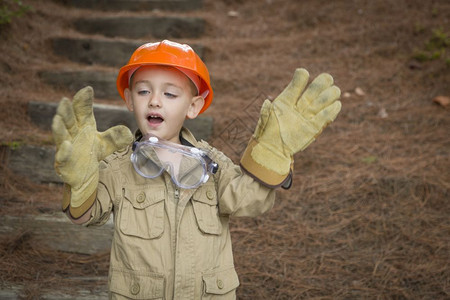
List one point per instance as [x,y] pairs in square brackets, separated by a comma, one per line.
[219,284]
[141,197]
[210,194]
[135,288]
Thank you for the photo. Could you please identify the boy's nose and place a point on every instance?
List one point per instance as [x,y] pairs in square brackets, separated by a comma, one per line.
[154,101]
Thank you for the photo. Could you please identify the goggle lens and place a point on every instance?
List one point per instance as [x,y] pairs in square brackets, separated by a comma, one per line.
[187,166]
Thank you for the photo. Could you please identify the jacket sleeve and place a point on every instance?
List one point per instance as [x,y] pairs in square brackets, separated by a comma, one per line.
[238,193]
[103,204]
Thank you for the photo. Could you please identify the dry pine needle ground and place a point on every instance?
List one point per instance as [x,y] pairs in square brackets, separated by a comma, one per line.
[368,213]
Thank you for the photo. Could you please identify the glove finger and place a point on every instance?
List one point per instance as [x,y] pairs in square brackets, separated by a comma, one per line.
[63,154]
[65,110]
[327,115]
[113,139]
[59,130]
[263,117]
[292,92]
[82,106]
[319,84]
[326,98]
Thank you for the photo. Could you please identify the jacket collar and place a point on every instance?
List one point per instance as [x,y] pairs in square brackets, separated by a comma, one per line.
[186,137]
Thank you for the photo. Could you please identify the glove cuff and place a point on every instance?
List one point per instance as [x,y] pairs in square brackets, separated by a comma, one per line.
[76,211]
[260,171]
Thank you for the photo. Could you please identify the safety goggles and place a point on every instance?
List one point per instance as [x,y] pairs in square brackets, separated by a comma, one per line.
[188,166]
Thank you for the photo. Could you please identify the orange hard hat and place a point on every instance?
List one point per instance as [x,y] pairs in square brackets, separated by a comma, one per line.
[168,53]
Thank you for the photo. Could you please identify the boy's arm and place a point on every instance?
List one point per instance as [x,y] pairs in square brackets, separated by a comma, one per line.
[288,125]
[239,194]
[80,148]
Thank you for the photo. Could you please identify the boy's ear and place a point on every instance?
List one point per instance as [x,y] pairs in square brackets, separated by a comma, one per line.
[195,107]
[128,100]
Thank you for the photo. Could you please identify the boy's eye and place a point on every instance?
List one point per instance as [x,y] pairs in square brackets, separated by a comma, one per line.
[143,92]
[170,95]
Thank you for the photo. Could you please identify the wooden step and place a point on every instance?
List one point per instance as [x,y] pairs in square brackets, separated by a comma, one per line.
[33,162]
[136,5]
[16,292]
[142,27]
[103,82]
[107,52]
[106,116]
[57,232]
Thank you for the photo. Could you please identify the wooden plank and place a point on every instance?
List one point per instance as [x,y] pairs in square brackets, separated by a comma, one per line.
[9,292]
[109,52]
[57,232]
[34,162]
[106,116]
[136,5]
[14,292]
[103,82]
[142,26]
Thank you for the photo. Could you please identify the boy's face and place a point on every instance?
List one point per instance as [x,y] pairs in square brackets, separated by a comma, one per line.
[161,99]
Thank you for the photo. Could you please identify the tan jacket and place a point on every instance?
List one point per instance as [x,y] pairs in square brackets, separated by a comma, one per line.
[172,243]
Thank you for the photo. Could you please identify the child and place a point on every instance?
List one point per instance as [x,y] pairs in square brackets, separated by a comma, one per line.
[171,195]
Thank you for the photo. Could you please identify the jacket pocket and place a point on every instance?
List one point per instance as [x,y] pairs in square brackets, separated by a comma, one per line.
[137,284]
[204,202]
[220,284]
[142,213]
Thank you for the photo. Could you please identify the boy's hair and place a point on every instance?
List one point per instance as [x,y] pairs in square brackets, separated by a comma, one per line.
[167,53]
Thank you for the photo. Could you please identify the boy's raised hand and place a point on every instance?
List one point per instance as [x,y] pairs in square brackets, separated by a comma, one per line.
[80,148]
[289,124]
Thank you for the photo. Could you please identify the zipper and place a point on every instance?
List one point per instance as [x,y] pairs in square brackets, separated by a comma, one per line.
[177,194]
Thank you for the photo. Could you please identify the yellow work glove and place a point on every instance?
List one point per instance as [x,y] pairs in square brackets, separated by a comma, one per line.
[288,125]
[80,148]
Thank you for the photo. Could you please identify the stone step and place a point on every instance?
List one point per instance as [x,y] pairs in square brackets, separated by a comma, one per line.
[142,27]
[136,5]
[57,232]
[107,52]
[41,114]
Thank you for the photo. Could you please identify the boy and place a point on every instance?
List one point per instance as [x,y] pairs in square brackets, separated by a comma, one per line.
[171,195]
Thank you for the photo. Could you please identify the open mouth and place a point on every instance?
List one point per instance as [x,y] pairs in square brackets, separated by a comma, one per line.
[155,119]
